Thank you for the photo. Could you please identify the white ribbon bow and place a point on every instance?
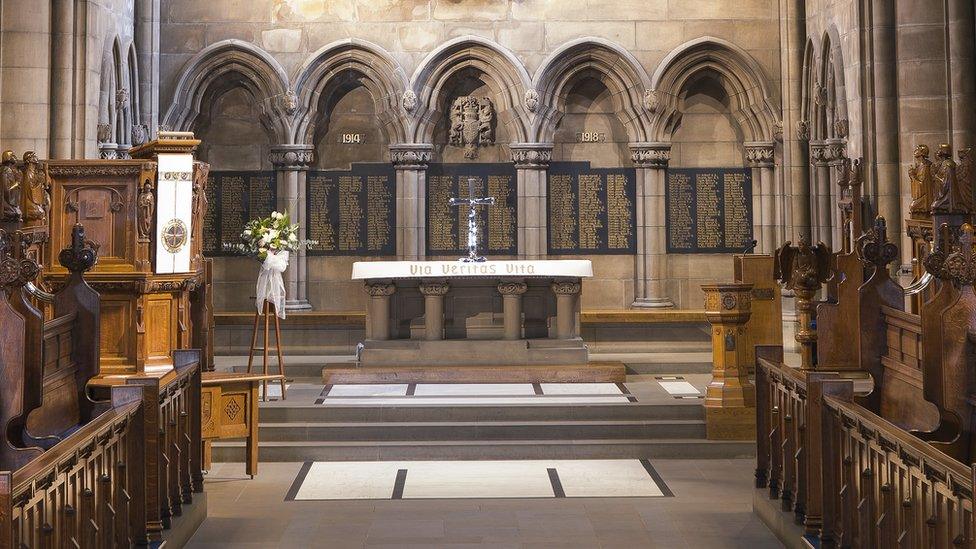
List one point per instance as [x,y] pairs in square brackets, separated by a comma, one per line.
[271,287]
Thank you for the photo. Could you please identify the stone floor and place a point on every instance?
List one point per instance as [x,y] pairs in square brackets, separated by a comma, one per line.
[711,508]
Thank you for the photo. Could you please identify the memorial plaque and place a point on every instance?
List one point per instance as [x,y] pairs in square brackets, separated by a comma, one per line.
[591,210]
[352,212]
[234,199]
[709,210]
[447,226]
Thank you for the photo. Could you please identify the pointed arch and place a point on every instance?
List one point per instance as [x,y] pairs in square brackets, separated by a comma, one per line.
[739,73]
[504,74]
[831,78]
[230,64]
[339,62]
[121,124]
[807,82]
[135,98]
[607,61]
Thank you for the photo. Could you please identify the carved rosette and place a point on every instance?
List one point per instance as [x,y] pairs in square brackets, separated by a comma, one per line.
[292,157]
[380,289]
[436,289]
[537,156]
[411,156]
[728,303]
[873,246]
[510,287]
[650,155]
[409,101]
[760,155]
[16,270]
[531,100]
[81,256]
[566,287]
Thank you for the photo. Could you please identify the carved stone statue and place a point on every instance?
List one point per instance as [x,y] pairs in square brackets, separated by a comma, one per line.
[953,197]
[33,189]
[922,185]
[472,124]
[10,187]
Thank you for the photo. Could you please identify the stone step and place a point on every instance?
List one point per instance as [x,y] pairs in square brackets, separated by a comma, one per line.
[490,430]
[284,413]
[487,449]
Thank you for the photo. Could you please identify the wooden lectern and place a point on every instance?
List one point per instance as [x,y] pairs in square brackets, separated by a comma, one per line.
[145,217]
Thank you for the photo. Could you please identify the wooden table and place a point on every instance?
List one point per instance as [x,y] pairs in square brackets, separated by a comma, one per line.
[229,409]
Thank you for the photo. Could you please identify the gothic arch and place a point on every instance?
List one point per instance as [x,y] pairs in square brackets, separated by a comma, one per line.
[614,66]
[504,74]
[739,73]
[346,59]
[134,95]
[225,65]
[832,95]
[806,87]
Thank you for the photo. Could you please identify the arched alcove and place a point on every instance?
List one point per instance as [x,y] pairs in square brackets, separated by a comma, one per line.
[589,128]
[707,134]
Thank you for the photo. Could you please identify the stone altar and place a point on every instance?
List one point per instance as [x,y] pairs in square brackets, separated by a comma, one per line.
[424,313]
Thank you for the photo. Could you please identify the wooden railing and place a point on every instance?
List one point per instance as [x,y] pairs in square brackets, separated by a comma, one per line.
[847,475]
[83,492]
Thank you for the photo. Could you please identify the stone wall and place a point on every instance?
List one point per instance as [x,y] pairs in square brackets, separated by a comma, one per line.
[498,48]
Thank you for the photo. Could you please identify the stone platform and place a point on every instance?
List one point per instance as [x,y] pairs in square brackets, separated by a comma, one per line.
[610,372]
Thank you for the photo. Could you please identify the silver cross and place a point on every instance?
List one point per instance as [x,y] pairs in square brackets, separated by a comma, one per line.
[473,201]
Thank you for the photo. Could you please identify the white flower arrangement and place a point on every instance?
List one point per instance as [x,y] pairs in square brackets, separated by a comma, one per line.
[274,233]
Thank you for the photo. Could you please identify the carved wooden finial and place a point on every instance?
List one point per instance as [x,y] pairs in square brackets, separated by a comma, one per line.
[15,270]
[874,247]
[82,255]
[934,262]
[960,265]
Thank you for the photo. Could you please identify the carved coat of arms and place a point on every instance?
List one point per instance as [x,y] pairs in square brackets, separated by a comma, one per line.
[472,120]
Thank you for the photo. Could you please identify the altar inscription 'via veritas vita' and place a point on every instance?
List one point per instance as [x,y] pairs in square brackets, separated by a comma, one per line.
[447,226]
[591,210]
[352,212]
[708,210]
[235,197]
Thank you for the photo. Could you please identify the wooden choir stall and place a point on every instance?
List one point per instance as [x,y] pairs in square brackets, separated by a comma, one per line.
[869,443]
[101,400]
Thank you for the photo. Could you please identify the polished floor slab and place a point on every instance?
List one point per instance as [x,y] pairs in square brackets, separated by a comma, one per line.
[366,390]
[473,389]
[580,389]
[679,387]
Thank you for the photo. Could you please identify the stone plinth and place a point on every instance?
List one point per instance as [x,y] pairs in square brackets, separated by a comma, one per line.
[730,399]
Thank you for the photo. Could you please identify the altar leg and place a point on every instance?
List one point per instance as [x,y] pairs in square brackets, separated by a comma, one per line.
[566,293]
[379,309]
[512,307]
[434,293]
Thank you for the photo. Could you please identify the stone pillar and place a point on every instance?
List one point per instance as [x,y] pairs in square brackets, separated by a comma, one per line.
[760,156]
[147,53]
[730,399]
[410,161]
[379,309]
[531,164]
[962,59]
[802,184]
[512,307]
[62,77]
[651,162]
[820,183]
[434,292]
[567,297]
[290,163]
[836,153]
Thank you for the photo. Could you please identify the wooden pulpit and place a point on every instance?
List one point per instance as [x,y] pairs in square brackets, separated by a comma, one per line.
[145,217]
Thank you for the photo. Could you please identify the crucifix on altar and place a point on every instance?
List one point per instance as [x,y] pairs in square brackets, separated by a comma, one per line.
[473,201]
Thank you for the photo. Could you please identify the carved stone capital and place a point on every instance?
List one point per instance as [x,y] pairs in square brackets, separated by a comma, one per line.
[650,155]
[531,155]
[760,154]
[380,289]
[512,287]
[438,289]
[566,287]
[411,156]
[292,157]
[803,130]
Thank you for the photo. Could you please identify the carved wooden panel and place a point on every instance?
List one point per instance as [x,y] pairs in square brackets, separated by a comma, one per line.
[233,414]
[161,315]
[116,323]
[208,421]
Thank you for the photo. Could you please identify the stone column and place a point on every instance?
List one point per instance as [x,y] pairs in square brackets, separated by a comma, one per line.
[802,184]
[820,183]
[410,161]
[730,399]
[836,153]
[962,59]
[531,164]
[651,162]
[512,291]
[434,292]
[290,163]
[62,77]
[760,156]
[379,309]
[567,296]
[147,52]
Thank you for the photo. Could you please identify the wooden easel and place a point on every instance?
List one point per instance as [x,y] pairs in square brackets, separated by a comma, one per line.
[267,312]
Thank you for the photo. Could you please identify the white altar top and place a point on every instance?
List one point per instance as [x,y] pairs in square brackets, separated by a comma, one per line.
[574,268]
